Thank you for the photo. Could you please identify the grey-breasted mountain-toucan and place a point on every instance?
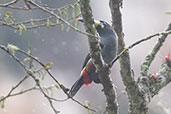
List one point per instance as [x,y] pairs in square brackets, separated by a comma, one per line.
[108,43]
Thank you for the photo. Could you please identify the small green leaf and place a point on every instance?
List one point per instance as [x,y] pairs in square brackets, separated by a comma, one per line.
[2,102]
[48,23]
[21,27]
[87,104]
[12,48]
[68,28]
[168,13]
[76,24]
[29,71]
[56,86]
[26,59]
[78,9]
[57,21]
[31,21]
[62,27]
[48,64]
[60,12]
[73,12]
[8,13]
[24,27]
[66,13]
[29,52]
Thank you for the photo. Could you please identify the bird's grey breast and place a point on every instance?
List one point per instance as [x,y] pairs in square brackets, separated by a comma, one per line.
[109,49]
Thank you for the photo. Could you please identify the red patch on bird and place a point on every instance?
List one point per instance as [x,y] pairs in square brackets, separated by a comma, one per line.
[167,58]
[87,80]
[169,55]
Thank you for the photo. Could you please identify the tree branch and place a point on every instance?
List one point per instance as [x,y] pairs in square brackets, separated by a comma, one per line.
[150,85]
[31,73]
[126,74]
[104,71]
[138,42]
[153,83]
[9,3]
[58,17]
[150,57]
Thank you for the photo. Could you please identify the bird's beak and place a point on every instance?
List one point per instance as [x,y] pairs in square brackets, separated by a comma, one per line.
[96,22]
[80,19]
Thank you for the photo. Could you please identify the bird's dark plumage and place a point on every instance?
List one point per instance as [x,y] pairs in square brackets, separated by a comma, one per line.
[108,45]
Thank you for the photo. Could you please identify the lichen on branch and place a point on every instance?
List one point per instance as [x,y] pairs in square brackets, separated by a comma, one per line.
[94,47]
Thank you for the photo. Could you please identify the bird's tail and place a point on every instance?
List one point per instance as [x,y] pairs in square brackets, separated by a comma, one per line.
[77,85]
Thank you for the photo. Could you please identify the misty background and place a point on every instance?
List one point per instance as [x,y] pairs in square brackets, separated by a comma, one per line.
[67,51]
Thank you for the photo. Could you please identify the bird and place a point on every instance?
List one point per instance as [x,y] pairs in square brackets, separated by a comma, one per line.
[108,44]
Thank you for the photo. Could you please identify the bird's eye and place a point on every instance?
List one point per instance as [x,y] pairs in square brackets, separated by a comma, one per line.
[102,26]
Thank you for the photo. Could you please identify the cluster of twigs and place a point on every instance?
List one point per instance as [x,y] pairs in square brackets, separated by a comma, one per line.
[60,16]
[32,72]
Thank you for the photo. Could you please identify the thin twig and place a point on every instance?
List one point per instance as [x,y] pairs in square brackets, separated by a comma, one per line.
[9,3]
[149,37]
[65,90]
[18,93]
[45,95]
[29,72]
[60,18]
[84,105]
[136,43]
[17,8]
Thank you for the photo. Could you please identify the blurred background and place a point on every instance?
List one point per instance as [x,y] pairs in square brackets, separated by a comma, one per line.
[67,51]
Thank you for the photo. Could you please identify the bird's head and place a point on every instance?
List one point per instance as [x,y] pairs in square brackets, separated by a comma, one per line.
[102,27]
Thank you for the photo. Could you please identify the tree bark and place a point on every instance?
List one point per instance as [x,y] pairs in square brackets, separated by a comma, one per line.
[94,47]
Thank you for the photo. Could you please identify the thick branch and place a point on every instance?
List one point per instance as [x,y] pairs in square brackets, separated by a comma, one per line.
[127,77]
[153,83]
[150,86]
[125,59]
[104,72]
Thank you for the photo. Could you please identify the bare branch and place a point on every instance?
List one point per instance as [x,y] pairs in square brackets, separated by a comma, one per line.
[58,17]
[13,88]
[136,43]
[18,93]
[126,72]
[150,57]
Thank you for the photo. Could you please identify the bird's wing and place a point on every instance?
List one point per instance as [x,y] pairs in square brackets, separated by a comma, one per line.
[86,60]
[88,57]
